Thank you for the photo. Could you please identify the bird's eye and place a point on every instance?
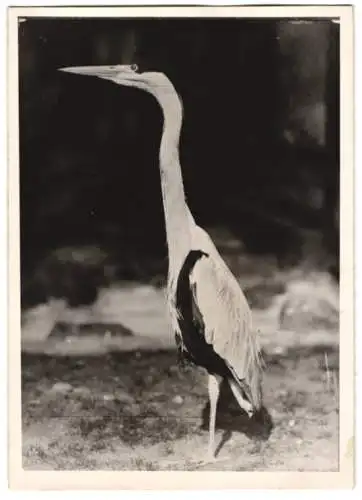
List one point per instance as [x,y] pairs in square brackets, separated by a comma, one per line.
[134,67]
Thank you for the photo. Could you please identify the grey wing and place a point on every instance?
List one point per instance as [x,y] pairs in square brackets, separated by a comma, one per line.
[226,317]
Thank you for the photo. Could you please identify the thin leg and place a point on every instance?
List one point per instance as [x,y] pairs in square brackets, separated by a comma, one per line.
[214,391]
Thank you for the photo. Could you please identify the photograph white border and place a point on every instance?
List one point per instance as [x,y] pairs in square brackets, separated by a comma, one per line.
[23,479]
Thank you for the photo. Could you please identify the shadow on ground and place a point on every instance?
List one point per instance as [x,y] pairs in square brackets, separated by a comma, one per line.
[230,418]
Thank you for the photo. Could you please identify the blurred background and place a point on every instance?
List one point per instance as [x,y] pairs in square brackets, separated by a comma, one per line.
[259,145]
[260,159]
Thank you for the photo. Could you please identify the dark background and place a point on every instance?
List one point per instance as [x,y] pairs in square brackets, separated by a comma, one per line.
[259,145]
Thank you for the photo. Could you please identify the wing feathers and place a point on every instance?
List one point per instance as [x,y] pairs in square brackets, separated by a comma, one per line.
[226,318]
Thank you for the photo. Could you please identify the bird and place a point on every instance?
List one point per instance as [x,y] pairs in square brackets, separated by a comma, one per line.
[209,313]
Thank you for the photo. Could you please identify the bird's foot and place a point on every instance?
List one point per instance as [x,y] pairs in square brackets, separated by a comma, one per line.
[193,463]
[209,459]
[210,455]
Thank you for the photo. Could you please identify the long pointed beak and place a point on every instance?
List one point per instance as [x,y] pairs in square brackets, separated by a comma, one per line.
[100,71]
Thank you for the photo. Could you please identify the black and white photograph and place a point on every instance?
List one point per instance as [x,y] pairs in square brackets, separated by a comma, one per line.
[179,185]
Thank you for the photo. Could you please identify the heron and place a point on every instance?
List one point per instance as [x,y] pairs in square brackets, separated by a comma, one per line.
[210,316]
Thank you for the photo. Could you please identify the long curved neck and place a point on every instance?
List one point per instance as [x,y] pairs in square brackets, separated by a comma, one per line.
[177,215]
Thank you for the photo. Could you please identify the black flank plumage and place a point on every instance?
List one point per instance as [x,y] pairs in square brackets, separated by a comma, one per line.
[194,346]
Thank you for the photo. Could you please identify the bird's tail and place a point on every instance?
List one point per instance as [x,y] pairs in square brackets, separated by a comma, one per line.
[250,388]
[241,398]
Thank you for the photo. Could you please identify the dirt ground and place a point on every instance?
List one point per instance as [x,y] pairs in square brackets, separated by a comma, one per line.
[99,401]
[140,411]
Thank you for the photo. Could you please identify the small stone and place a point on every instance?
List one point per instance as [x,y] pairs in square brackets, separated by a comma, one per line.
[124,397]
[178,400]
[34,402]
[291,423]
[62,387]
[173,370]
[135,409]
[108,397]
[273,413]
[81,390]
[299,442]
[279,350]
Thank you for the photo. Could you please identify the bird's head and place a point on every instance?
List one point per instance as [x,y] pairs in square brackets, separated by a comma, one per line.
[127,75]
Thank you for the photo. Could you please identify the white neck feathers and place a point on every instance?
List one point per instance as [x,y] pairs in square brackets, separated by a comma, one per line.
[177,214]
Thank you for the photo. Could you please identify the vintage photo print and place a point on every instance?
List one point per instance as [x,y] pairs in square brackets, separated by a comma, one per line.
[181,247]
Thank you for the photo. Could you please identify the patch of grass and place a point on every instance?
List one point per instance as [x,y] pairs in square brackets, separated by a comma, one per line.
[36,451]
[142,464]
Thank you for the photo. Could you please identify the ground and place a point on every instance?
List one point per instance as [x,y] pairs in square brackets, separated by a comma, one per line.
[110,418]
[97,401]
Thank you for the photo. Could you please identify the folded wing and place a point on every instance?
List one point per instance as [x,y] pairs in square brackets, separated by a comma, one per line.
[226,319]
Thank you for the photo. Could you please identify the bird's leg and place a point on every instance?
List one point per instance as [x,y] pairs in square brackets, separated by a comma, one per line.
[214,384]
[243,403]
[214,391]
